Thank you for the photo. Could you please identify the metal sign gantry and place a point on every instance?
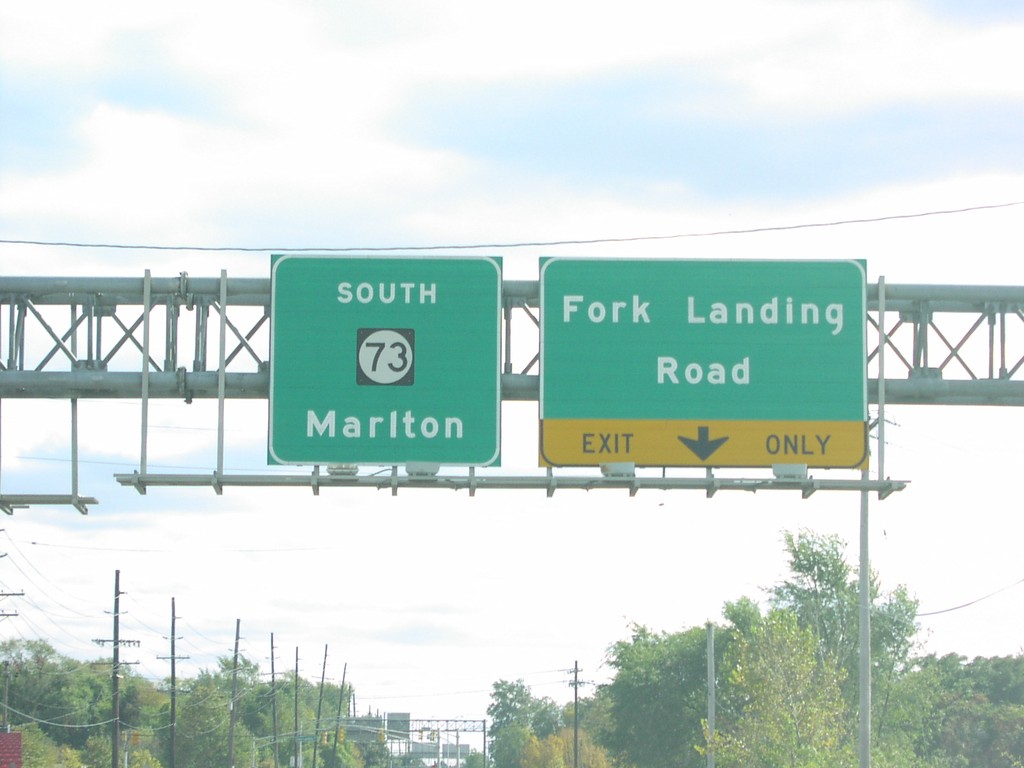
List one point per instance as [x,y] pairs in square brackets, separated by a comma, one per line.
[187,338]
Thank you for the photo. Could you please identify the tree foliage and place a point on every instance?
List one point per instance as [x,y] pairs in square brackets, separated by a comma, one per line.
[531,732]
[512,704]
[823,591]
[788,701]
[786,685]
[63,708]
[657,697]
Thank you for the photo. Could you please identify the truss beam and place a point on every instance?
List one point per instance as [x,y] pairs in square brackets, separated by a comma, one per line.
[129,338]
[949,345]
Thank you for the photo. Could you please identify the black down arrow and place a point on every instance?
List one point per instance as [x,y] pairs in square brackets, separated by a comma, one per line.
[703,446]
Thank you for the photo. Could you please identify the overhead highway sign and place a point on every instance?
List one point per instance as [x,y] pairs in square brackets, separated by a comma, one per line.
[703,363]
[385,360]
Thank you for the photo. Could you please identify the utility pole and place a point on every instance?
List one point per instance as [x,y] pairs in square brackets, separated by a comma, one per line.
[711,695]
[234,695]
[273,702]
[7,664]
[116,735]
[9,614]
[341,698]
[117,642]
[174,686]
[319,707]
[7,685]
[298,730]
[575,714]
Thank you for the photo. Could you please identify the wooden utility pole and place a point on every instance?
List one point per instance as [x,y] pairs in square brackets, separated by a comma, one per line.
[234,697]
[117,642]
[9,614]
[341,698]
[7,685]
[298,730]
[273,702]
[319,707]
[174,687]
[115,734]
[575,714]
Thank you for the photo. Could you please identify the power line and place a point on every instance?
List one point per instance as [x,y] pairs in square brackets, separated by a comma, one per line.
[972,602]
[62,725]
[150,550]
[533,244]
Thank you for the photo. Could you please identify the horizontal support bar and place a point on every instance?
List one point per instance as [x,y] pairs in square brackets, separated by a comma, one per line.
[951,298]
[11,501]
[88,384]
[925,391]
[129,291]
[473,482]
[85,384]
[255,291]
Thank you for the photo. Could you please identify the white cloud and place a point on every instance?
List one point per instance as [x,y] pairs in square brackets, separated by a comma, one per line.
[301,151]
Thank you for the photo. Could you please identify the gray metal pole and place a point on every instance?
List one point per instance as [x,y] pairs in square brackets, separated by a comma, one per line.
[146,299]
[711,695]
[883,342]
[222,371]
[864,588]
[864,742]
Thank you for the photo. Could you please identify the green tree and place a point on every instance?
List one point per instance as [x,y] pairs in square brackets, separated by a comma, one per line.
[509,745]
[957,713]
[59,693]
[591,754]
[543,753]
[254,702]
[372,755]
[516,714]
[547,718]
[142,758]
[512,703]
[96,752]
[38,750]
[789,701]
[657,698]
[823,591]
[203,726]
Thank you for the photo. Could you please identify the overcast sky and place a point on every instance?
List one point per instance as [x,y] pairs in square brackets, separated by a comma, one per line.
[387,124]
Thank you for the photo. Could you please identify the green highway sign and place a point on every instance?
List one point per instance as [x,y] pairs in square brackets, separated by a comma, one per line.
[384,360]
[703,363]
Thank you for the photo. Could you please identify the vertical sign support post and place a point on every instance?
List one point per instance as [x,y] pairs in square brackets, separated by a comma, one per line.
[864,587]
[864,742]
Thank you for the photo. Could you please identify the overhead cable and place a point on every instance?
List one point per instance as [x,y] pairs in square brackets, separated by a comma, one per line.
[533,244]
